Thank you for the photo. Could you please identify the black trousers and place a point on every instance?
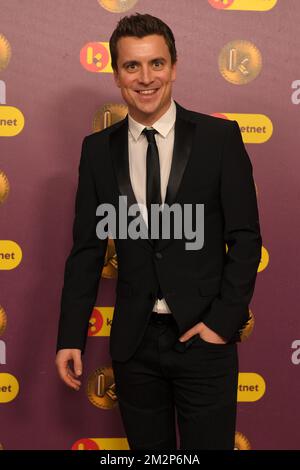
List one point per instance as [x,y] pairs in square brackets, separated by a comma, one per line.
[166,382]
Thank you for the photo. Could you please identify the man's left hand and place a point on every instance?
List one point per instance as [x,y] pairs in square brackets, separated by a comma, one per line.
[205,333]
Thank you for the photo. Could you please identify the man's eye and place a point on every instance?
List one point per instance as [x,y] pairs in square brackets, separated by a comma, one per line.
[157,64]
[131,66]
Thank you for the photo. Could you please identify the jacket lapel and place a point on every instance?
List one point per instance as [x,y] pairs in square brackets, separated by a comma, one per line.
[118,142]
[119,152]
[184,136]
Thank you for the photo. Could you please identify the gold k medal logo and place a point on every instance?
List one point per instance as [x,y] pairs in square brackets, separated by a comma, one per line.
[247,330]
[240,62]
[5,52]
[101,388]
[110,268]
[109,114]
[241,442]
[3,320]
[4,187]
[117,6]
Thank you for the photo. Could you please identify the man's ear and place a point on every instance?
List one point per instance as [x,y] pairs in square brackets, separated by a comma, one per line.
[174,71]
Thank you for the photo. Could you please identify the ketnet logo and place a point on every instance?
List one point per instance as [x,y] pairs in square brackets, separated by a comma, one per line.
[250,5]
[95,57]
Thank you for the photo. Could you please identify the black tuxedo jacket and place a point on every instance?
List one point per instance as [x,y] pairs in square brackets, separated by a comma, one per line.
[214,284]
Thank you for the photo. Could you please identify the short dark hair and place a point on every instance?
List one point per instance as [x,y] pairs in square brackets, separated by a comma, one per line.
[141,25]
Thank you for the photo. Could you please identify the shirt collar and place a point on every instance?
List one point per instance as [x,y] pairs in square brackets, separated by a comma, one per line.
[163,125]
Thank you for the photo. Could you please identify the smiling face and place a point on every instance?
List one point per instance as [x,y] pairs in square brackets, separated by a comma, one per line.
[145,75]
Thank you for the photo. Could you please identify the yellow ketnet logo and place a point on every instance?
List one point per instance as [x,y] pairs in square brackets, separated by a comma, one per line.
[100,321]
[250,5]
[12,121]
[255,128]
[264,260]
[9,387]
[251,387]
[113,443]
[10,254]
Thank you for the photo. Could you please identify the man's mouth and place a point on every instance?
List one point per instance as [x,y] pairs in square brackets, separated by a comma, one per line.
[147,92]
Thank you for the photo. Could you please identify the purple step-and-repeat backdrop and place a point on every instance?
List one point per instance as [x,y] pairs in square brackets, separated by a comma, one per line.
[238,59]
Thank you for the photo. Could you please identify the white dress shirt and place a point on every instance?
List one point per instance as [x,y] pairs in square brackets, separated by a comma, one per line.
[137,150]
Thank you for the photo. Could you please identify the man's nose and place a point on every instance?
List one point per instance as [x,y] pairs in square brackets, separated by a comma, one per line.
[146,75]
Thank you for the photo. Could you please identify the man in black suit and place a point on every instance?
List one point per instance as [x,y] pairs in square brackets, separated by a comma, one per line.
[179,312]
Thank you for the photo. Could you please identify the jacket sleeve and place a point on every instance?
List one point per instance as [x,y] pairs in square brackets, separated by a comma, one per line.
[84,264]
[229,312]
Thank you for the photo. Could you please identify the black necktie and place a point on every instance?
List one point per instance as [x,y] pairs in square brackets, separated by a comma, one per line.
[153,194]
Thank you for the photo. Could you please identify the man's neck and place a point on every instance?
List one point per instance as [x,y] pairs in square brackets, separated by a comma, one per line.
[146,120]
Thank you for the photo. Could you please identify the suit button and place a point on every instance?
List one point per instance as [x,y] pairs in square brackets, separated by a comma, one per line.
[158,255]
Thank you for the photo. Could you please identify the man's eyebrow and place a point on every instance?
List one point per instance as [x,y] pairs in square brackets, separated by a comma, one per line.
[130,62]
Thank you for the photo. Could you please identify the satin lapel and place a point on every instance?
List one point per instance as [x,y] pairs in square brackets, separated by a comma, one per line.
[118,142]
[184,133]
[184,136]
